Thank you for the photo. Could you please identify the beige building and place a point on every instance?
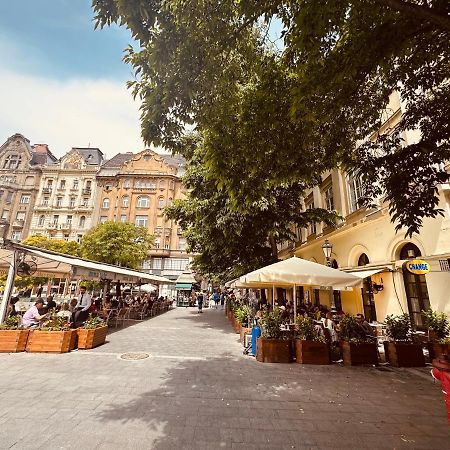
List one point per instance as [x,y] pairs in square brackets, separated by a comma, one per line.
[366,242]
[135,188]
[20,173]
[66,198]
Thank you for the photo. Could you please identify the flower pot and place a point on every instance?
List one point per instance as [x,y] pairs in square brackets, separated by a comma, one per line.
[404,354]
[312,352]
[244,330]
[357,353]
[436,350]
[90,338]
[51,341]
[13,341]
[274,350]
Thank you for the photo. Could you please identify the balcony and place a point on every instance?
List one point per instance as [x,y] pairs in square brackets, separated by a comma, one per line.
[87,191]
[18,223]
[160,252]
[52,227]
[66,226]
[47,190]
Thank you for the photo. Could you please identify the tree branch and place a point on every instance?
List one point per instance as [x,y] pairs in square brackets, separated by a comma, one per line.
[416,11]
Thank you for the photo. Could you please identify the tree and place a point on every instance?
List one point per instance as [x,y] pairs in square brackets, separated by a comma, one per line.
[55,245]
[117,243]
[341,60]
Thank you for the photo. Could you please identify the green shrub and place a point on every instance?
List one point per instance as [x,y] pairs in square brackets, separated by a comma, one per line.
[305,330]
[93,322]
[11,323]
[271,323]
[349,330]
[437,322]
[398,328]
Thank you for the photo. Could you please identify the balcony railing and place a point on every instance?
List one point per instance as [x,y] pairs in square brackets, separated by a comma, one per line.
[87,191]
[18,223]
[47,190]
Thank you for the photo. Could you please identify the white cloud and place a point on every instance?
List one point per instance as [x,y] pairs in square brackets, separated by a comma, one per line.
[66,114]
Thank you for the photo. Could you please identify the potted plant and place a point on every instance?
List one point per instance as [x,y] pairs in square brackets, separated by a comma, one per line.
[438,326]
[54,336]
[356,347]
[92,333]
[13,338]
[244,315]
[272,346]
[237,313]
[310,344]
[400,350]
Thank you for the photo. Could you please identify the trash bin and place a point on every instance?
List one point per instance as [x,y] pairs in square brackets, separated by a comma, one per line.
[256,333]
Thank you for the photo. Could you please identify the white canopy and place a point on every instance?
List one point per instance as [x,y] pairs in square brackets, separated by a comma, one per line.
[59,265]
[297,271]
[368,272]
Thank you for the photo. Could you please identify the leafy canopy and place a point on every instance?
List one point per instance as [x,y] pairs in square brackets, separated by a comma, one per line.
[117,243]
[55,245]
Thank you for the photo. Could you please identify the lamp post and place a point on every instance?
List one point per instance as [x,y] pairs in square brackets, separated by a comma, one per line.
[327,249]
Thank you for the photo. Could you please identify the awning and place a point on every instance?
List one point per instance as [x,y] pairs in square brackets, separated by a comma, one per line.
[183,286]
[368,273]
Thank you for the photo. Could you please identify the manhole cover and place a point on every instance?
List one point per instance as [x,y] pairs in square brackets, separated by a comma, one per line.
[134,356]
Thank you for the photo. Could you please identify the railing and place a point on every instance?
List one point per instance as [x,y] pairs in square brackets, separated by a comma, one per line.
[87,191]
[47,190]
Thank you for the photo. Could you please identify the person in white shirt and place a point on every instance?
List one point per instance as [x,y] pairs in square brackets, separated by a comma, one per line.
[81,312]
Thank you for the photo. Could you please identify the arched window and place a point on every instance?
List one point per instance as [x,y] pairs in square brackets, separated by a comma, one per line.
[41,221]
[410,250]
[162,184]
[160,202]
[105,203]
[363,260]
[143,202]
[82,221]
[125,201]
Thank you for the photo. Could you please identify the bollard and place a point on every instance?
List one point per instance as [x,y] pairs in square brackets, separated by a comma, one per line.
[441,372]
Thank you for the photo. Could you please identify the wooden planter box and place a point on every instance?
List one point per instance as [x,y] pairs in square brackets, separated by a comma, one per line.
[91,338]
[355,354]
[244,330]
[436,350]
[274,350]
[311,352]
[400,354]
[13,341]
[51,341]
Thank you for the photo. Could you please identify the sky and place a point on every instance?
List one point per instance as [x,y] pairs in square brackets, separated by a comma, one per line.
[61,82]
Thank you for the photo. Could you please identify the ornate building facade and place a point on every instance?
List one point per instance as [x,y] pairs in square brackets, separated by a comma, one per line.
[135,189]
[66,197]
[20,173]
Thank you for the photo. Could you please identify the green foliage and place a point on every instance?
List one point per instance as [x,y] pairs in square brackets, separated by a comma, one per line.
[270,322]
[55,245]
[306,330]
[349,330]
[398,328]
[55,323]
[117,243]
[271,118]
[93,322]
[11,323]
[244,314]
[438,322]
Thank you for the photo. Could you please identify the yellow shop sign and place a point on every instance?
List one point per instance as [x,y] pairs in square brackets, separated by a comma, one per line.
[417,266]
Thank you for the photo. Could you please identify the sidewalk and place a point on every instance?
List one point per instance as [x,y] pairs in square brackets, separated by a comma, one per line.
[196,390]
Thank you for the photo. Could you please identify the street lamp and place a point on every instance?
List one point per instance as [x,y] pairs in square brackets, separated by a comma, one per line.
[327,249]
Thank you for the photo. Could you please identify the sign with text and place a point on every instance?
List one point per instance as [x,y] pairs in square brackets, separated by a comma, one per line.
[417,266]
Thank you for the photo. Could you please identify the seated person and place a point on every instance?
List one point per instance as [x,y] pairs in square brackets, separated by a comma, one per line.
[362,322]
[81,312]
[51,304]
[32,317]
[11,311]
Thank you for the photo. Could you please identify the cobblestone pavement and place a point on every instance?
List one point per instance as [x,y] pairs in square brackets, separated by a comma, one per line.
[196,390]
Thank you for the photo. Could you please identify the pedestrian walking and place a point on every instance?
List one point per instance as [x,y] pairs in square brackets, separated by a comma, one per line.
[216,298]
[222,300]
[200,302]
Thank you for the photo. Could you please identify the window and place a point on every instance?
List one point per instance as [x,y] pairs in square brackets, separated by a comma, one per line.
[108,187]
[41,221]
[59,202]
[85,202]
[55,219]
[103,219]
[141,221]
[147,157]
[9,197]
[25,199]
[162,184]
[126,184]
[88,184]
[20,215]
[66,237]
[176,264]
[160,202]
[123,218]
[75,184]
[16,235]
[82,222]
[328,198]
[312,226]
[62,184]
[167,244]
[147,264]
[143,202]
[72,202]
[5,214]
[157,263]
[157,242]
[125,201]
[105,203]
[69,220]
[45,201]
[12,162]
[49,184]
[355,192]
[170,202]
[79,237]
[182,244]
